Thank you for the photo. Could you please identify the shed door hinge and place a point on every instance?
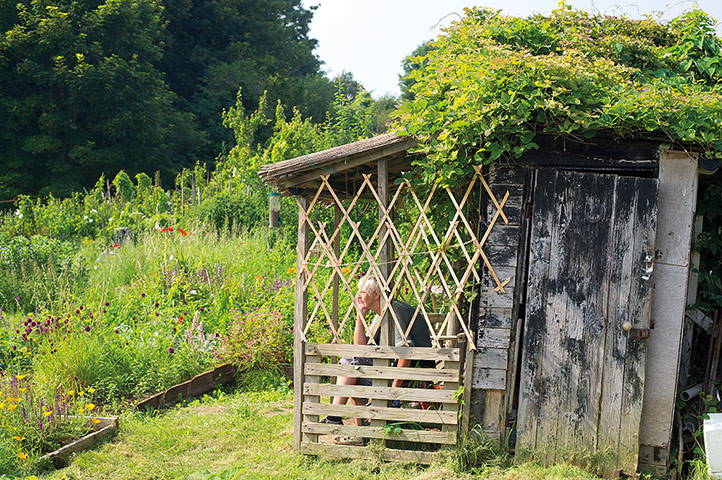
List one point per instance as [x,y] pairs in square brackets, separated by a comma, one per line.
[528,208]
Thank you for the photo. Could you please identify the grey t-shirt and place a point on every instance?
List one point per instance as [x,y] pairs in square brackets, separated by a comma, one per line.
[419,334]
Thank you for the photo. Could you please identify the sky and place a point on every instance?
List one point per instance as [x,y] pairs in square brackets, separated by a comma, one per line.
[370,38]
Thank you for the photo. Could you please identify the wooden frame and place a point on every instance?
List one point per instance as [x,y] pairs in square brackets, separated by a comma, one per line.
[451,254]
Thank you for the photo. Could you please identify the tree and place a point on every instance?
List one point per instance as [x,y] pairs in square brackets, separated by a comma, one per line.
[79,95]
[213,47]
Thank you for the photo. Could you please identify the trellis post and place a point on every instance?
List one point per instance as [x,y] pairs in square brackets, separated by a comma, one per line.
[299,321]
[387,325]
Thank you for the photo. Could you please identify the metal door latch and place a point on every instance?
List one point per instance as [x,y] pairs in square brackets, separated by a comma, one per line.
[638,333]
[648,268]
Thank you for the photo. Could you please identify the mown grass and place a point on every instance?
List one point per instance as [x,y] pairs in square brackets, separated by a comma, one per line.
[248,435]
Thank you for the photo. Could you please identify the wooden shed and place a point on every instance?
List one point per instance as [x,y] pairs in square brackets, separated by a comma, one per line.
[567,272]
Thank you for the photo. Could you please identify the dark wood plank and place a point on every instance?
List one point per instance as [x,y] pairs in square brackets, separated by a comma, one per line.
[531,387]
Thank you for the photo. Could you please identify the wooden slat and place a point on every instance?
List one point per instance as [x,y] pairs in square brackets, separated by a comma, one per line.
[387,373]
[495,317]
[640,309]
[489,378]
[501,256]
[492,358]
[406,435]
[494,338]
[382,413]
[374,351]
[489,298]
[530,388]
[387,454]
[385,393]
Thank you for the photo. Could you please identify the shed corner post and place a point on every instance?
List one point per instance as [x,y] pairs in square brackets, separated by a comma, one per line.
[300,313]
[678,176]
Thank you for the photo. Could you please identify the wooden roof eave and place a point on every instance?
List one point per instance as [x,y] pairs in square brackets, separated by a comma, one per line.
[307,170]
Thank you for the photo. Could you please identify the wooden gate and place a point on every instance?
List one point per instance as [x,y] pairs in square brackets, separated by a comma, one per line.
[419,255]
[587,316]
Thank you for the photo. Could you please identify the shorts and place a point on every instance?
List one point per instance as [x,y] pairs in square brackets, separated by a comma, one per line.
[358,361]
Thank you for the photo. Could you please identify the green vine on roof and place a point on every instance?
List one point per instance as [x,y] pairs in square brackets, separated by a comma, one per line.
[492,83]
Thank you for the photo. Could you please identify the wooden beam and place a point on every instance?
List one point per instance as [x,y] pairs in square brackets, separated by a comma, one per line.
[354,162]
[299,322]
[389,455]
[382,413]
[373,351]
[385,373]
[385,393]
[404,435]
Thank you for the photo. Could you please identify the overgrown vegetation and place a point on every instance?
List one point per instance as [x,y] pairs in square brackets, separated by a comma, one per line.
[492,83]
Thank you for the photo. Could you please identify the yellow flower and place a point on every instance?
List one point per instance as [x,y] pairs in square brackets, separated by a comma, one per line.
[70,392]
[48,413]
[2,404]
[19,439]
[19,377]
[345,270]
[91,390]
[291,270]
[89,406]
[22,455]
[81,393]
[8,399]
[22,389]
[12,407]
[95,420]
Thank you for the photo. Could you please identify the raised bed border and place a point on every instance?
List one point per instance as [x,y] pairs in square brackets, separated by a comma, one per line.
[103,430]
[196,386]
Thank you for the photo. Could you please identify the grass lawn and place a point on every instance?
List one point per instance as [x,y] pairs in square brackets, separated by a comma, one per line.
[243,435]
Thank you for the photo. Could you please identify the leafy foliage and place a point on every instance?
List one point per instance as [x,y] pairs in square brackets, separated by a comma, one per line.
[492,83]
[79,95]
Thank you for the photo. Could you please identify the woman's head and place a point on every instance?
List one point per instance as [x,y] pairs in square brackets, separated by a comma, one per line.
[370,285]
[369,294]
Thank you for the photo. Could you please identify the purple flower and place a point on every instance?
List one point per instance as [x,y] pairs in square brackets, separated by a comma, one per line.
[156,304]
[87,328]
[170,350]
[142,295]
[107,304]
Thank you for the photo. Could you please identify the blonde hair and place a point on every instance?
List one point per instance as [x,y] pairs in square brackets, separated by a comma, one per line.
[370,284]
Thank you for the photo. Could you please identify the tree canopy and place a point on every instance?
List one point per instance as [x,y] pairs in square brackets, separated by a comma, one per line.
[94,86]
[491,83]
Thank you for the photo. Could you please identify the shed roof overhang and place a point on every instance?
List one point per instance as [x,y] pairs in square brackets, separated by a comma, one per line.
[351,161]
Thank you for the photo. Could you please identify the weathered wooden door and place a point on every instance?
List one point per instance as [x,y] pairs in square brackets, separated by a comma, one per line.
[587,305]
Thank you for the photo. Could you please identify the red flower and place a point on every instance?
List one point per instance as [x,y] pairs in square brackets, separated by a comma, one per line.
[182,232]
[116,246]
[163,229]
[170,229]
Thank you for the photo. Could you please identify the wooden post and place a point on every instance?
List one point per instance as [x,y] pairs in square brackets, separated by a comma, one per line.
[387,324]
[299,322]
[337,253]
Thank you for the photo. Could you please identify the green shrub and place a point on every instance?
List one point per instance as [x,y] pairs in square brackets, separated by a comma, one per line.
[258,339]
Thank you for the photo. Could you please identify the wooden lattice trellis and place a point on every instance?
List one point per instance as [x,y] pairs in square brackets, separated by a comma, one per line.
[451,256]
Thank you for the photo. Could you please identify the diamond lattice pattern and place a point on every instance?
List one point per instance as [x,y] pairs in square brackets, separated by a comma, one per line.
[434,262]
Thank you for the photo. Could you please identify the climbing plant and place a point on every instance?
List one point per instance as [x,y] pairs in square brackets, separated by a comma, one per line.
[492,83]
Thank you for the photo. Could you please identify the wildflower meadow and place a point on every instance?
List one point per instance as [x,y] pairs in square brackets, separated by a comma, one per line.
[92,321]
